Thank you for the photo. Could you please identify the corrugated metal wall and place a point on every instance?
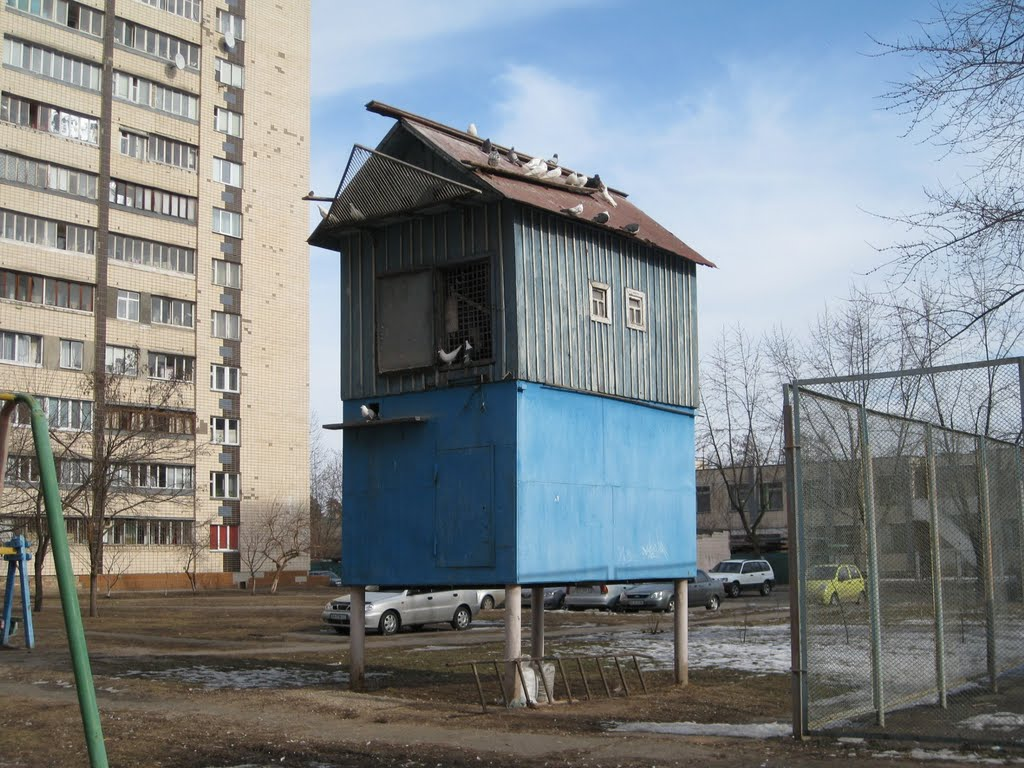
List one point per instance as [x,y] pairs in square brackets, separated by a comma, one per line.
[558,343]
[467,233]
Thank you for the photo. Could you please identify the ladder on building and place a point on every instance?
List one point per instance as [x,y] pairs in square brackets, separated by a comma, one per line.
[62,564]
[16,554]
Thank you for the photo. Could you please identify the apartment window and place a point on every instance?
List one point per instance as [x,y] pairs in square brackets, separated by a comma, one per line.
[122,360]
[636,310]
[771,497]
[134,144]
[189,9]
[230,74]
[703,499]
[600,302]
[38,116]
[226,121]
[223,485]
[229,23]
[223,431]
[146,93]
[227,222]
[22,228]
[227,172]
[224,538]
[224,378]
[71,14]
[134,250]
[163,365]
[21,348]
[170,152]
[22,469]
[166,476]
[50,291]
[65,413]
[48,176]
[71,352]
[128,305]
[151,420]
[73,472]
[173,312]
[51,64]
[226,325]
[227,273]
[156,201]
[159,44]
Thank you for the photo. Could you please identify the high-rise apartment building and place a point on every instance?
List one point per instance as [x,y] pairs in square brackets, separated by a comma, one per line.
[153,269]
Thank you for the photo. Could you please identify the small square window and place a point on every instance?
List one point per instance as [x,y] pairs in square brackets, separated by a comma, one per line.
[600,302]
[71,352]
[636,310]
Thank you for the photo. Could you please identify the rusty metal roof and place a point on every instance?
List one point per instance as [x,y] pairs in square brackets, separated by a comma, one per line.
[555,196]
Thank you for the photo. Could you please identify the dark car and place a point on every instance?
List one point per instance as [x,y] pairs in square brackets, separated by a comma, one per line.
[702,590]
[554,597]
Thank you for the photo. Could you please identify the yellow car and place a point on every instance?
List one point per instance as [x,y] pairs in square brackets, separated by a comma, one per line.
[835,583]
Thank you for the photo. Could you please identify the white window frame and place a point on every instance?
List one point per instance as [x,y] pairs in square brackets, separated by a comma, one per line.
[229,22]
[230,74]
[636,304]
[227,273]
[225,378]
[606,291]
[72,353]
[227,222]
[224,485]
[123,361]
[22,346]
[224,430]
[227,172]
[126,300]
[227,121]
[226,325]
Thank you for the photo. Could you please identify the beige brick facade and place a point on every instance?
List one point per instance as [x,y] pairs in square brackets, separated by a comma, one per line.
[191,176]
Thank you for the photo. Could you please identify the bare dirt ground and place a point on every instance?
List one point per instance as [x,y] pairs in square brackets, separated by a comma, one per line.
[229,679]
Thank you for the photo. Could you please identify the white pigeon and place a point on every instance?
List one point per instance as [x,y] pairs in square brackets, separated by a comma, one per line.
[554,173]
[466,349]
[368,413]
[576,210]
[535,163]
[323,211]
[449,357]
[608,196]
[537,170]
[570,180]
[581,180]
[472,129]
[355,213]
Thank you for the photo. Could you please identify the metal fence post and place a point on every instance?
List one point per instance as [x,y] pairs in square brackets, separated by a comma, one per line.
[1020,519]
[987,574]
[798,641]
[874,603]
[936,552]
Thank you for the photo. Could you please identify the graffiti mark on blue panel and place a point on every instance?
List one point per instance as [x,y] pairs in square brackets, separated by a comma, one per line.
[464,508]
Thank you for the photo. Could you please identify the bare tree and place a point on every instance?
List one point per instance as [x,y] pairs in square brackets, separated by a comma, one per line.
[967,95]
[740,427]
[192,550]
[324,496]
[285,535]
[252,550]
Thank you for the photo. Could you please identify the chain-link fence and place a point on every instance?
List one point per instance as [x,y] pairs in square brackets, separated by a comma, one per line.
[907,508]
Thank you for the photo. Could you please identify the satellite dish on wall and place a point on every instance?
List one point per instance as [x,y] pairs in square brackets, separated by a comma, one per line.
[179,61]
[229,41]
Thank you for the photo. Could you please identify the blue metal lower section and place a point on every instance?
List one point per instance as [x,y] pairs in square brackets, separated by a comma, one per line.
[517,483]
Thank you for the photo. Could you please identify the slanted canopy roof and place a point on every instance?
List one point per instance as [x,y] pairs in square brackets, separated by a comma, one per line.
[506,180]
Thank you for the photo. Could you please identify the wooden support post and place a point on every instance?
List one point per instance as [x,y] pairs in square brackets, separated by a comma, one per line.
[537,623]
[357,638]
[682,638]
[513,640]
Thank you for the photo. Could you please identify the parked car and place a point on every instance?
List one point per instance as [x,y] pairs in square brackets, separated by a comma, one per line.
[554,597]
[701,590]
[602,596]
[333,579]
[389,611]
[490,598]
[740,575]
[835,583]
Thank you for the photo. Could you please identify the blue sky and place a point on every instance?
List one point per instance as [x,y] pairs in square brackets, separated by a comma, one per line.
[754,131]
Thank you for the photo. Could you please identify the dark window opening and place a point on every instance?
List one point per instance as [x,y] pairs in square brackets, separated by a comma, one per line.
[467,310]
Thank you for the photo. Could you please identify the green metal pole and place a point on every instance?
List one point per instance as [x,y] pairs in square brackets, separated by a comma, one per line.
[66,583]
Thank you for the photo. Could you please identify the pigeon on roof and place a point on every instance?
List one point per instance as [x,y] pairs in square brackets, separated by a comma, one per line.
[602,217]
[472,129]
[513,157]
[607,195]
[486,147]
[594,182]
[570,180]
[494,158]
[576,210]
[632,228]
[553,173]
[323,211]
[553,160]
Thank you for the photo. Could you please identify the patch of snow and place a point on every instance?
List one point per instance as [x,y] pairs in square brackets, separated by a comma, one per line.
[735,730]
[997,721]
[850,740]
[946,755]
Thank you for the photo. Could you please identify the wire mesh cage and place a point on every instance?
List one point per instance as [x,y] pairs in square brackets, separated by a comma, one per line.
[376,186]
[908,507]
